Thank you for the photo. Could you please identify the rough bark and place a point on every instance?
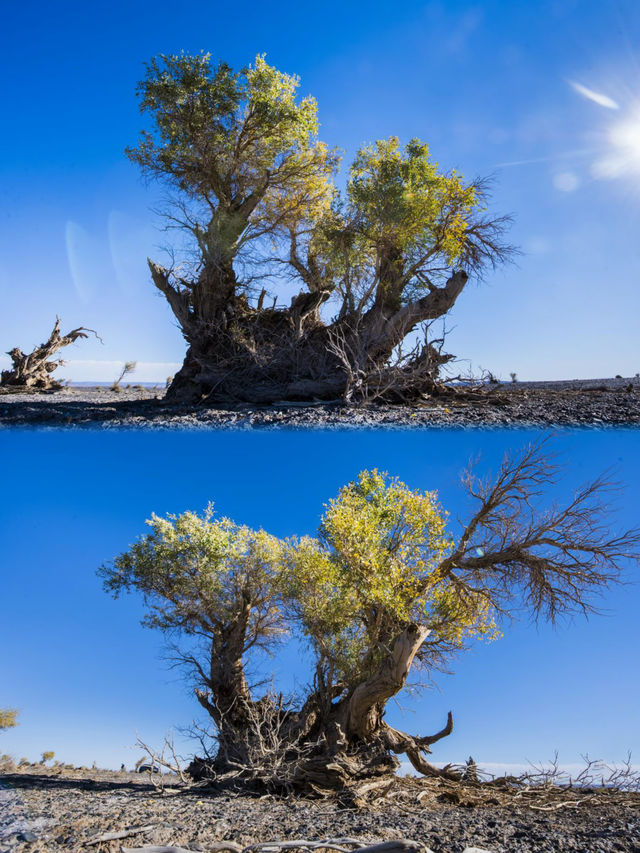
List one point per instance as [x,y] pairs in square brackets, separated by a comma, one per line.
[264,355]
[327,746]
[366,705]
[227,697]
[34,370]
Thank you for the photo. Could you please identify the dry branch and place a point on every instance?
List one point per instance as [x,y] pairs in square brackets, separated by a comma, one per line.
[123,833]
[34,370]
[166,758]
[401,845]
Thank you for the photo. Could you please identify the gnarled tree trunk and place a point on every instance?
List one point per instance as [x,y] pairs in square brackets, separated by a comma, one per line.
[264,355]
[34,370]
[327,745]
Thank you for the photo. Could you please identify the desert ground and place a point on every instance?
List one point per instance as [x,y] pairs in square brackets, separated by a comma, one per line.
[53,809]
[596,402]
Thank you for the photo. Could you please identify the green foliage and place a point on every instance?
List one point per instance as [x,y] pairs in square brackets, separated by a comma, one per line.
[199,573]
[401,198]
[241,142]
[383,564]
[47,756]
[242,150]
[8,718]
[373,571]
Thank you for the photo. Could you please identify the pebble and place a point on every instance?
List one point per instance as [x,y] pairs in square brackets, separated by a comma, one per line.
[93,802]
[598,402]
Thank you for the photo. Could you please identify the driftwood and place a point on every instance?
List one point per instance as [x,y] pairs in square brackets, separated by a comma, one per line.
[33,370]
[402,845]
[123,833]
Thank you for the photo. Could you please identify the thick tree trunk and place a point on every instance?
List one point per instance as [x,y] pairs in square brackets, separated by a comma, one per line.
[359,744]
[328,747]
[238,354]
[227,697]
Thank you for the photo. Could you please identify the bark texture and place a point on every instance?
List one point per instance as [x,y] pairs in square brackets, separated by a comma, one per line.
[34,370]
[328,744]
[263,355]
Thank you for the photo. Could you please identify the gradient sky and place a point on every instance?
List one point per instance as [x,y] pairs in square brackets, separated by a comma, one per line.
[86,676]
[545,96]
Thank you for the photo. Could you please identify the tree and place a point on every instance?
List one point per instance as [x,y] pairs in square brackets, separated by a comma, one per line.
[8,718]
[253,190]
[384,591]
[34,370]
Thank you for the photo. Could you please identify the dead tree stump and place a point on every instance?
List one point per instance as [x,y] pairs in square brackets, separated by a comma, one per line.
[34,370]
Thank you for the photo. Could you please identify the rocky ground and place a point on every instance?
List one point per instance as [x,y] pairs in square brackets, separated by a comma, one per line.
[598,402]
[49,809]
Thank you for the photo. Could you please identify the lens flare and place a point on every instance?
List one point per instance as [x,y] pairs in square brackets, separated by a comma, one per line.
[622,157]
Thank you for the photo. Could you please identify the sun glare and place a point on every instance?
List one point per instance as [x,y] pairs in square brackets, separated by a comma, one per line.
[622,157]
[618,154]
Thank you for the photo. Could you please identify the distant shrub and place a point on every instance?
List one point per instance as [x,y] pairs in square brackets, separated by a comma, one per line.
[47,756]
[8,718]
[129,367]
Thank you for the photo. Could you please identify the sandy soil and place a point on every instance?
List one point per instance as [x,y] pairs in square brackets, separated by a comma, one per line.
[598,402]
[44,809]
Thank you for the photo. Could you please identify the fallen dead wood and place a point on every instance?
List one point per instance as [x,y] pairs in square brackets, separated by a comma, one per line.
[123,833]
[155,849]
[565,804]
[401,845]
[33,370]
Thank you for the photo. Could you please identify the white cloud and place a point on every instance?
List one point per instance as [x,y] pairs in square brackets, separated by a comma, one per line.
[596,97]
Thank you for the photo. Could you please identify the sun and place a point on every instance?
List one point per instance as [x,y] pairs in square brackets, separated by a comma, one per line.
[621,156]
[625,140]
[619,152]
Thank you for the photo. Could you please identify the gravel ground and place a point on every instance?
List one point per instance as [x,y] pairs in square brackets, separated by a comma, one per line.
[49,810]
[597,402]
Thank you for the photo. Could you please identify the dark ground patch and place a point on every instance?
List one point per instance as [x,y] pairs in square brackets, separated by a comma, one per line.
[601,402]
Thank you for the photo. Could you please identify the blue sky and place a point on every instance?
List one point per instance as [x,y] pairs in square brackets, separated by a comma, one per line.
[545,96]
[86,677]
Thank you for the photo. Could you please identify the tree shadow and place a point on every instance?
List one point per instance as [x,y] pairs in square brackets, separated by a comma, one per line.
[47,782]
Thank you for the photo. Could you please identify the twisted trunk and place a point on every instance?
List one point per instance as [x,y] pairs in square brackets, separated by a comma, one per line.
[227,697]
[263,355]
[359,745]
[33,370]
[328,746]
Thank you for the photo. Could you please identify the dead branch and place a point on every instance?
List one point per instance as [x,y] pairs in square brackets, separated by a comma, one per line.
[406,375]
[123,833]
[166,759]
[34,370]
[554,561]
[401,845]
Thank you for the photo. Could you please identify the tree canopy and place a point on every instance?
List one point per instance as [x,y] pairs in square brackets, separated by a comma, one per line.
[8,718]
[386,588]
[257,195]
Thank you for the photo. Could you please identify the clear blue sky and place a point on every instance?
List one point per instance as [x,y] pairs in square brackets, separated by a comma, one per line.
[544,95]
[86,676]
